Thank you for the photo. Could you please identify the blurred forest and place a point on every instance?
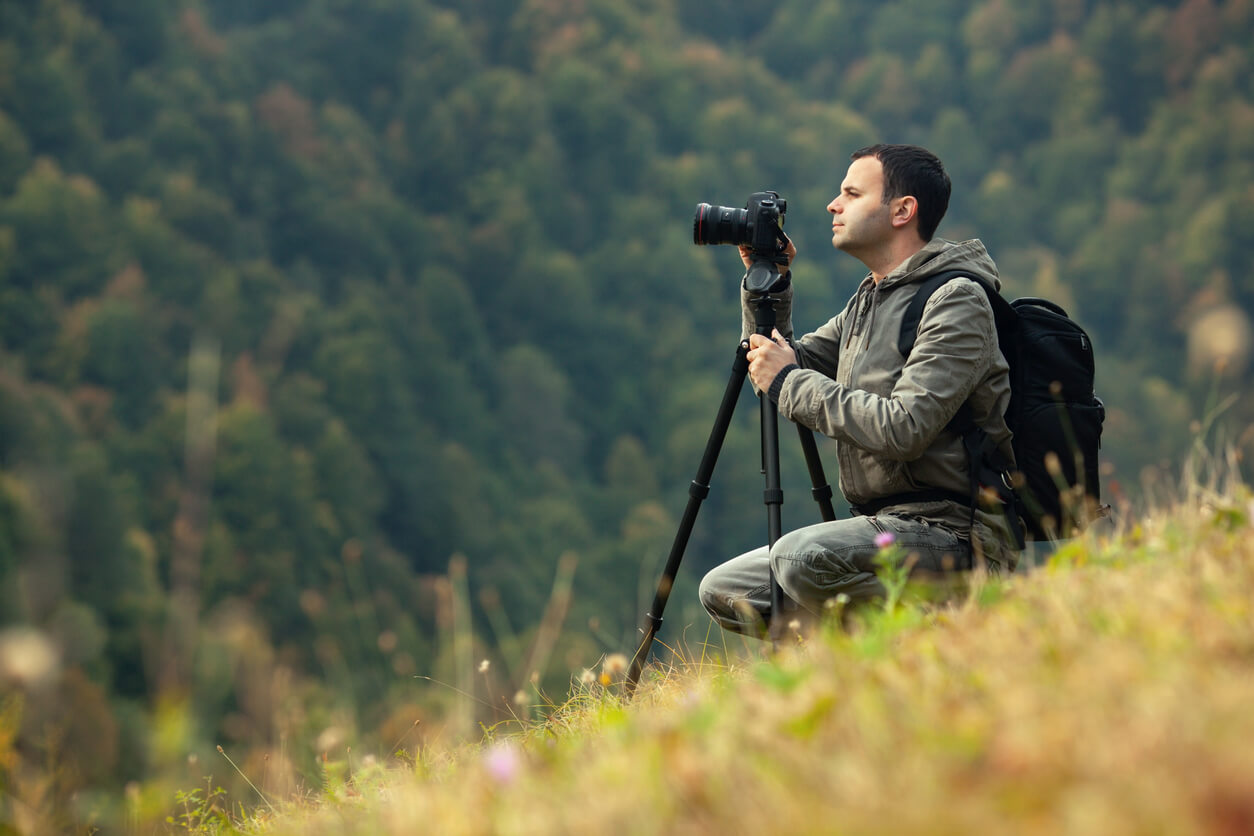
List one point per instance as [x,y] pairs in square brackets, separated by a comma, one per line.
[345,344]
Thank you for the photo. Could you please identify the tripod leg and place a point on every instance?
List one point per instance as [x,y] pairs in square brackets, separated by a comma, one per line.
[773,497]
[781,605]
[821,491]
[764,322]
[697,492]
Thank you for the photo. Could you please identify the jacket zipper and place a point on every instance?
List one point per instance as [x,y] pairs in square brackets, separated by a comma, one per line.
[872,306]
[864,305]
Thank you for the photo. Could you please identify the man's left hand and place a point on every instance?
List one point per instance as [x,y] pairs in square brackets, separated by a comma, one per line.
[768,357]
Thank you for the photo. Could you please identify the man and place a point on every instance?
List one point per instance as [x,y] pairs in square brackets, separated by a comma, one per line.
[900,466]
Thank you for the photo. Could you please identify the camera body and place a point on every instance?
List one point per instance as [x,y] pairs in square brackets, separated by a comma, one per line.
[757,225]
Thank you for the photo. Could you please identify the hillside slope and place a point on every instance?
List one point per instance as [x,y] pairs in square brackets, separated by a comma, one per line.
[1106,693]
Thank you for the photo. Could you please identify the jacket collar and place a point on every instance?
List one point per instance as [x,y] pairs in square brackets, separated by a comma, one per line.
[938,255]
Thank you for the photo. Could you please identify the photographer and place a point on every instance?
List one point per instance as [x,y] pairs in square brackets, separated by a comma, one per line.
[902,469]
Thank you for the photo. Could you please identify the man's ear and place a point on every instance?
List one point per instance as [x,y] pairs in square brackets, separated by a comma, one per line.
[904,210]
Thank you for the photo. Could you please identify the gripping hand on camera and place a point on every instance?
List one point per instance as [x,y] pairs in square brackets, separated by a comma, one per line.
[789,252]
[781,298]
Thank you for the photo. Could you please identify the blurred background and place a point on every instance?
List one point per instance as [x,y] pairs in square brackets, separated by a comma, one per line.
[355,357]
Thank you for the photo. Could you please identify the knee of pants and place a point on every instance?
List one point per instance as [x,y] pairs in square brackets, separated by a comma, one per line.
[707,592]
[789,555]
[788,572]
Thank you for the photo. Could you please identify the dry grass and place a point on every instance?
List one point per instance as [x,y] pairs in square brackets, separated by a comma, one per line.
[1109,692]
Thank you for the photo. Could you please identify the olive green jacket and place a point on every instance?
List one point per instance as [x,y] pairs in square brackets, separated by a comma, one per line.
[888,414]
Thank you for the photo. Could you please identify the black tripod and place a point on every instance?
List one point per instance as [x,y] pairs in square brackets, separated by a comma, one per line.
[762,279]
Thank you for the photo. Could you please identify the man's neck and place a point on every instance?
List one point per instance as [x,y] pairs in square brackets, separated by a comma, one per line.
[893,256]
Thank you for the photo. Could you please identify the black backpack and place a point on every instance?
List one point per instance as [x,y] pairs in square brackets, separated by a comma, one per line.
[1054,414]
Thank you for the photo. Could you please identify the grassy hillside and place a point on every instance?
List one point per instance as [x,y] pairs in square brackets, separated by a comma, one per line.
[1107,692]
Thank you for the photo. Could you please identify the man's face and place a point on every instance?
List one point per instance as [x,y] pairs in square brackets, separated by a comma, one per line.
[860,220]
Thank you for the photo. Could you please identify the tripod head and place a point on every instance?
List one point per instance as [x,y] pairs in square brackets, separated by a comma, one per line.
[763,277]
[764,284]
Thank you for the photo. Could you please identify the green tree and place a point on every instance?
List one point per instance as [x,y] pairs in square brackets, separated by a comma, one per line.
[125,355]
[15,156]
[264,493]
[534,400]
[64,235]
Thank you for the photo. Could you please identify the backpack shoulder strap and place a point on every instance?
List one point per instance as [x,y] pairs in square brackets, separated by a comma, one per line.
[986,466]
[1003,313]
[914,312]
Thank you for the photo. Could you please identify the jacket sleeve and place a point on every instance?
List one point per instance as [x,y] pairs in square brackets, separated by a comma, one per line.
[953,352]
[819,350]
[782,302]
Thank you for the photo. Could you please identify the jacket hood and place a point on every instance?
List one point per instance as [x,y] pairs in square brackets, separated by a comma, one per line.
[939,255]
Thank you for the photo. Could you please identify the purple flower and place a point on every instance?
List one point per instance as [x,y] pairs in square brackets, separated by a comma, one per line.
[885,539]
[503,762]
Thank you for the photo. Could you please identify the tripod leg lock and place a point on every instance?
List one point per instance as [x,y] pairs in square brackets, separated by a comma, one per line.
[822,494]
[698,491]
[773,497]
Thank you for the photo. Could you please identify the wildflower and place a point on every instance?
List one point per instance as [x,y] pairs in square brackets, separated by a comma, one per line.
[836,604]
[885,539]
[521,699]
[503,763]
[331,738]
[27,657]
[614,664]
[587,677]
[795,625]
[484,665]
[612,668]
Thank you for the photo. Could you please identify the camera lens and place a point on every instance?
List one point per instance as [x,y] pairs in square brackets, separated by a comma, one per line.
[720,225]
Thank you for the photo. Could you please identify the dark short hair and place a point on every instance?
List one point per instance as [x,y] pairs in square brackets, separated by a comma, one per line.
[915,171]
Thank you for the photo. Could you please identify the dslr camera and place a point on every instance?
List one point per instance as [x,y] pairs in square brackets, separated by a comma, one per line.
[757,225]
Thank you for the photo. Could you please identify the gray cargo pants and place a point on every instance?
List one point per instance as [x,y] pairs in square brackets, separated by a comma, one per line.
[815,564]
